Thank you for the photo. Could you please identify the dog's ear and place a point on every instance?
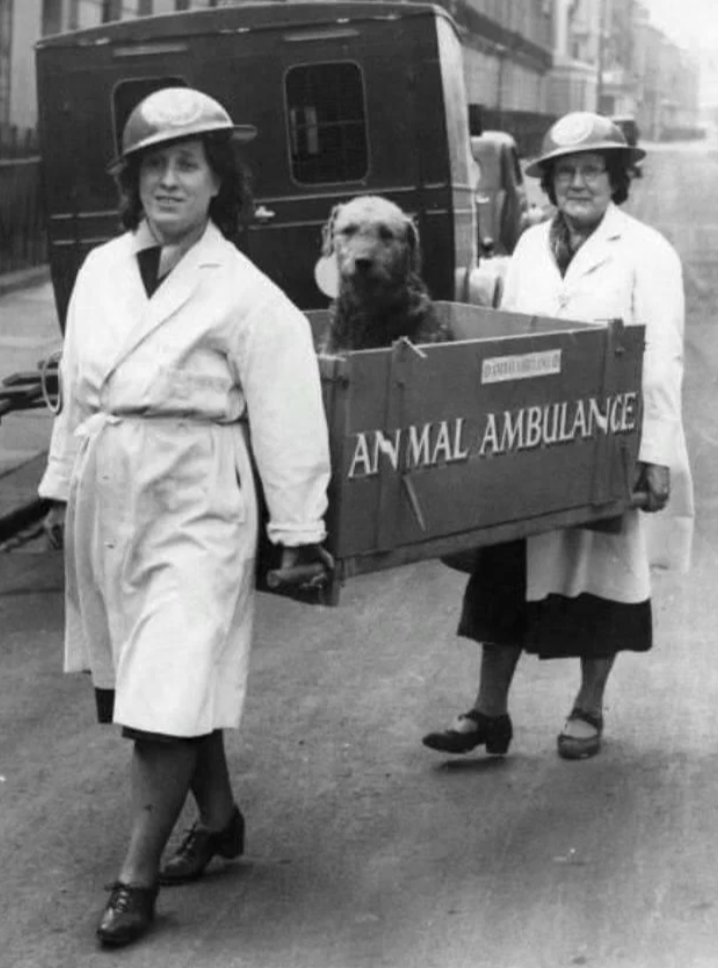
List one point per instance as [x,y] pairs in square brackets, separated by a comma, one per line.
[414,245]
[328,231]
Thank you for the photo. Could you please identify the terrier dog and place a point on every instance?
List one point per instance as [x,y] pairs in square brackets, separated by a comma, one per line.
[381,296]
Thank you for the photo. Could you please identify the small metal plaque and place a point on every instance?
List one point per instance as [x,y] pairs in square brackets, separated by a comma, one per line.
[498,369]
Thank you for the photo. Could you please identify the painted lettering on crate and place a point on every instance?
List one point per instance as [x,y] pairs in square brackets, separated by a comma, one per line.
[497,433]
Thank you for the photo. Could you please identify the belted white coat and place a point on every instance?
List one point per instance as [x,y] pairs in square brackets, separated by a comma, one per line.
[150,454]
[626,270]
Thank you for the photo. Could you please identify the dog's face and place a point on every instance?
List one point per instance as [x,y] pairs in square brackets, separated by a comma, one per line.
[376,245]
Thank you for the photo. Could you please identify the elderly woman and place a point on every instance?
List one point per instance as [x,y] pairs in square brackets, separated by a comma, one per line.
[172,338]
[582,592]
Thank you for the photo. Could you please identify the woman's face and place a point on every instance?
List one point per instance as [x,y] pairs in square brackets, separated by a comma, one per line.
[583,187]
[177,185]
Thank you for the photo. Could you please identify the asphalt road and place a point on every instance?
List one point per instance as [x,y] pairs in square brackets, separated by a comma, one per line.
[364,849]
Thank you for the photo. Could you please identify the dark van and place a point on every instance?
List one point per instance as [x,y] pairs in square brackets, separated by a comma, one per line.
[349,98]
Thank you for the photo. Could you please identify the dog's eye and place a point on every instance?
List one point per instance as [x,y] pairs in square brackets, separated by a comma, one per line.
[385,234]
[348,230]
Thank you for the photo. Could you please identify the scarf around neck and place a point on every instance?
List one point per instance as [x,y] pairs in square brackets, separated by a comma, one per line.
[559,240]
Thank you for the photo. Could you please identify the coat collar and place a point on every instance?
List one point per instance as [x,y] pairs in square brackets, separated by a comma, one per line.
[179,286]
[598,247]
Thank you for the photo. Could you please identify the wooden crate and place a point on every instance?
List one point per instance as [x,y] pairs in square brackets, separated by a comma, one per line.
[522,425]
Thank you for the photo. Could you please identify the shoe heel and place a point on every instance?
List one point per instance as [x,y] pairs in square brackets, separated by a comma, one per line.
[232,842]
[499,737]
[498,746]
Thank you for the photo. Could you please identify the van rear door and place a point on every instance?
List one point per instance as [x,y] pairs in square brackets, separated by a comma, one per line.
[341,117]
[343,105]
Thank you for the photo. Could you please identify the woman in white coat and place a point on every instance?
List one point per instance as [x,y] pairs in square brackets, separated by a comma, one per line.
[582,592]
[172,338]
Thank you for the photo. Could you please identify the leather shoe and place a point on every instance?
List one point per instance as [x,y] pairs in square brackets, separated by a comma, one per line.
[581,747]
[200,846]
[128,914]
[494,732]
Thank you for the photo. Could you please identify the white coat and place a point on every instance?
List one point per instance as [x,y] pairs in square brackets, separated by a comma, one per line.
[626,270]
[150,454]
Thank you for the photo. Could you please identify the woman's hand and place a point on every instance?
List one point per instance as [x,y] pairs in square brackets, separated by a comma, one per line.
[306,566]
[653,483]
[310,563]
[54,525]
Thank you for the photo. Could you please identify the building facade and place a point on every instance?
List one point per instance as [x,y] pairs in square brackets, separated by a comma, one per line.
[507,51]
[522,57]
[573,81]
[24,22]
[667,79]
[609,57]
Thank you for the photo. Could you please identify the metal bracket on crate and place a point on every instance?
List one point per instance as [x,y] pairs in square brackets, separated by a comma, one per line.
[408,486]
[602,468]
[404,355]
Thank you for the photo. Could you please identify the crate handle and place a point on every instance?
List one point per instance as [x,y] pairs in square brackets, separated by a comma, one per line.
[314,574]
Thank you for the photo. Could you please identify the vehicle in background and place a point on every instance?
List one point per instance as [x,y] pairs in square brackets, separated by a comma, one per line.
[503,207]
[628,125]
[360,97]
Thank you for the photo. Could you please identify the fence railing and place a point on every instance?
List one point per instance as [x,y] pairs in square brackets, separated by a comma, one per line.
[23,240]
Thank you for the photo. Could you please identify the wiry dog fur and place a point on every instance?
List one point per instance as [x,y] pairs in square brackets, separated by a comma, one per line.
[381,294]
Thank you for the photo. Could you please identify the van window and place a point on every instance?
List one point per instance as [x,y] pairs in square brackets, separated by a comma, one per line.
[327,123]
[128,94]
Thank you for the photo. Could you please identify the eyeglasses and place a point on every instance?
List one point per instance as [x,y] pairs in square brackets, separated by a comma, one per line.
[590,174]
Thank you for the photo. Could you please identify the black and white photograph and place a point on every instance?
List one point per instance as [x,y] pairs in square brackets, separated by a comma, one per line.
[358,461]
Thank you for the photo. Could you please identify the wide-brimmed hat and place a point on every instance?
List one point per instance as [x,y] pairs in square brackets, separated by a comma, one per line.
[174,113]
[582,131]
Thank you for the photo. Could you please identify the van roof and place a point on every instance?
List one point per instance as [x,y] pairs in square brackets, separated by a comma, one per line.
[266,14]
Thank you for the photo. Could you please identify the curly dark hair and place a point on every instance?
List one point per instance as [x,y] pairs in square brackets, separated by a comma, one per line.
[618,166]
[229,209]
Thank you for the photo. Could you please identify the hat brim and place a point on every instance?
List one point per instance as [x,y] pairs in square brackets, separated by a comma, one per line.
[535,168]
[239,133]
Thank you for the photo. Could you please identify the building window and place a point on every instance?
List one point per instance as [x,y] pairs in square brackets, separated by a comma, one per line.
[145,8]
[182,4]
[51,17]
[5,50]
[111,10]
[327,123]
[73,16]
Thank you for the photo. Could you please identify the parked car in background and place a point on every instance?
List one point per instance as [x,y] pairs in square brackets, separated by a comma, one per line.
[628,125]
[501,200]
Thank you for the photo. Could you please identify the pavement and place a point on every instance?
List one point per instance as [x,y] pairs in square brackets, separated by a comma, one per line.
[23,278]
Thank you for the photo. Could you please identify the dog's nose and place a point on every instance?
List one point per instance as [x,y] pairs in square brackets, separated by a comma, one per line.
[362,265]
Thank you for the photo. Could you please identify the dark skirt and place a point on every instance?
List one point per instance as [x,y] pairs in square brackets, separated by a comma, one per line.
[495,611]
[105,704]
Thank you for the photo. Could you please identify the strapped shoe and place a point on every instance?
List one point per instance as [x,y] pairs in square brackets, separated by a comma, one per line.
[200,846]
[581,747]
[128,914]
[473,729]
